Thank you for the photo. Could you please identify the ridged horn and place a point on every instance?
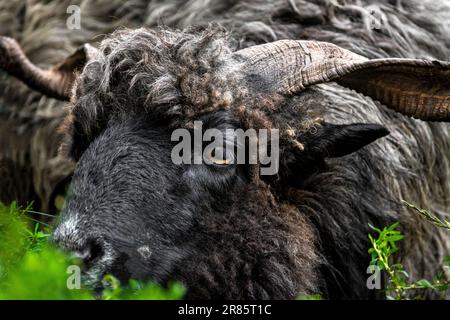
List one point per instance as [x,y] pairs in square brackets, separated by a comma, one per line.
[413,87]
[55,82]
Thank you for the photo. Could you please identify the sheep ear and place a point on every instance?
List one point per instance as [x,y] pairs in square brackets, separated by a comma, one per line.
[78,59]
[331,141]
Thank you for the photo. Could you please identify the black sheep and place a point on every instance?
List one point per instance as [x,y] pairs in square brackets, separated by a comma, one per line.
[228,232]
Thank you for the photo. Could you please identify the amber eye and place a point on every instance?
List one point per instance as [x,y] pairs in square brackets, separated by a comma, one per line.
[220,157]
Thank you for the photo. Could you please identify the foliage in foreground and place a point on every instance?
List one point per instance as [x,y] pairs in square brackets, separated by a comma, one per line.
[399,286]
[310,297]
[30,268]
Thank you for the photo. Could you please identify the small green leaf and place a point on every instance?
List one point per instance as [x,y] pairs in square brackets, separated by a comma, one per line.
[424,283]
[374,228]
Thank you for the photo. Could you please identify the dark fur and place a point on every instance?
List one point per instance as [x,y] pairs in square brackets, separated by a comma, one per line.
[304,231]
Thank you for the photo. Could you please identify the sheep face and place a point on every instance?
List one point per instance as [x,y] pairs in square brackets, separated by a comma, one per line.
[134,213]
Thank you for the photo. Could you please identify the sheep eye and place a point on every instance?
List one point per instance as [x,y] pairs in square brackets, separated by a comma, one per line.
[220,157]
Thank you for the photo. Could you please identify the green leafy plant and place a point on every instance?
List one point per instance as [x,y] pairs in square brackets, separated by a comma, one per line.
[310,297]
[137,291]
[399,286]
[36,238]
[31,268]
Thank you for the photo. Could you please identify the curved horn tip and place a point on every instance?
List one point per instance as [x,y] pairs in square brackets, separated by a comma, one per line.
[10,52]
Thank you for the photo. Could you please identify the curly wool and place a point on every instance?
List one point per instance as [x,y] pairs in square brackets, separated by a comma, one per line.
[271,262]
[167,74]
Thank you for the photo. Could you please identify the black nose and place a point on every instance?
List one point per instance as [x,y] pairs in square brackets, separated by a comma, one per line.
[79,242]
[87,250]
[91,251]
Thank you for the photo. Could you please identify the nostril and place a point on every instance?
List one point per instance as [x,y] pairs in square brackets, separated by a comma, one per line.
[90,252]
[81,254]
[95,251]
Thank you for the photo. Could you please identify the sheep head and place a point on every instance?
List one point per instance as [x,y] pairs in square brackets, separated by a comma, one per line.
[132,212]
